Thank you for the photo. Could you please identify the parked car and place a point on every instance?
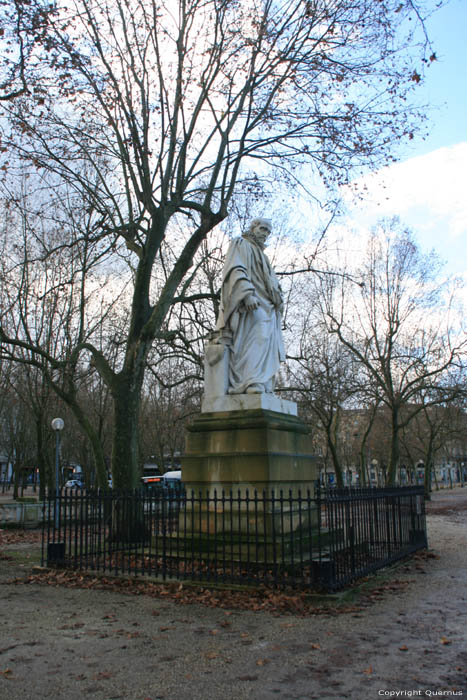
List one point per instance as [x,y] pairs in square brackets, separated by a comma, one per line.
[74,484]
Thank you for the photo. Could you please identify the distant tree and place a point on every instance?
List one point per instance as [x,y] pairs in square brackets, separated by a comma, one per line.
[399,327]
[361,431]
[48,292]
[323,380]
[17,428]
[437,429]
[168,404]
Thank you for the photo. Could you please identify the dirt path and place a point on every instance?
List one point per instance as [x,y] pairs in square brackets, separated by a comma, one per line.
[403,632]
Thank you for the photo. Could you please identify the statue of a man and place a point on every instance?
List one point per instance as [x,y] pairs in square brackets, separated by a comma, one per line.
[251,308]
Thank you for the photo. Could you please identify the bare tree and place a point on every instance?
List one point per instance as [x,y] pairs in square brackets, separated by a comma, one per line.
[437,427]
[401,326]
[158,112]
[324,381]
[168,405]
[48,289]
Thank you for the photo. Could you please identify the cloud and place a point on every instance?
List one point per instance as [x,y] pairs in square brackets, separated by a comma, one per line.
[428,193]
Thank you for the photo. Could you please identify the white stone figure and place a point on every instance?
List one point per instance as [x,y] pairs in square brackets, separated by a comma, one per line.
[249,323]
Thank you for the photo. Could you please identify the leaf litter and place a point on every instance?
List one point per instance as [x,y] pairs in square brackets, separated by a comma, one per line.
[258,600]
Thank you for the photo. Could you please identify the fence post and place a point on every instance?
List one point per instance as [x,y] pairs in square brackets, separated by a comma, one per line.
[387,502]
[350,528]
[318,519]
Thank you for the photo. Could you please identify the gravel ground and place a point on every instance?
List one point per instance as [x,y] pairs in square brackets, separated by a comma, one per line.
[402,632]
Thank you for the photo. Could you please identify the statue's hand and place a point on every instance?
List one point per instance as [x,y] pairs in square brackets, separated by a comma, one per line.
[250,302]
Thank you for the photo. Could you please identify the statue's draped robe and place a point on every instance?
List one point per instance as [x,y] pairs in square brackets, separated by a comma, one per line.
[257,347]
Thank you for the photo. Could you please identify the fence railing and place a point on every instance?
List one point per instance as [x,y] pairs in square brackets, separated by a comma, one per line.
[322,540]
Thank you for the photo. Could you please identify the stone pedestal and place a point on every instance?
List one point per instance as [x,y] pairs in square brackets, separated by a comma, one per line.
[250,449]
[251,472]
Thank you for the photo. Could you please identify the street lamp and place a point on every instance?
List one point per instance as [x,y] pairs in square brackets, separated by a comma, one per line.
[57,426]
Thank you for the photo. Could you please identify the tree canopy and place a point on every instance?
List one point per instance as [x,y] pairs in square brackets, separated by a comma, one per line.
[154,115]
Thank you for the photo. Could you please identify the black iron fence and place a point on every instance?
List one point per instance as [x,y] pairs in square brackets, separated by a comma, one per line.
[322,540]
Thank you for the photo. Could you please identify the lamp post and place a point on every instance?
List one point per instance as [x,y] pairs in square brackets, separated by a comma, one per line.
[57,426]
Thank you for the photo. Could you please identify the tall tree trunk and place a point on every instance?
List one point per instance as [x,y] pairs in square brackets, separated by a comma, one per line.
[96,444]
[428,463]
[125,451]
[41,461]
[394,454]
[128,522]
[17,474]
[361,466]
[336,463]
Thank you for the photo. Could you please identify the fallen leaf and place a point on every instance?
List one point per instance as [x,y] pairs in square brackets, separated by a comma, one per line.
[403,648]
[236,600]
[262,662]
[315,646]
[211,655]
[102,675]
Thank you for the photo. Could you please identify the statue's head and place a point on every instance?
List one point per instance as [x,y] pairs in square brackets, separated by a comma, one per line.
[259,230]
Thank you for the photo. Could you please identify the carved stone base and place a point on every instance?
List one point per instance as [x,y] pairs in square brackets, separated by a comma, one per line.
[249,449]
[244,452]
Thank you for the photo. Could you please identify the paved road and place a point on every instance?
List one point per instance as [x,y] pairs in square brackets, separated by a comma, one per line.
[405,633]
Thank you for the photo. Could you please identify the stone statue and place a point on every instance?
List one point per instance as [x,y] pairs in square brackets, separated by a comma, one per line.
[249,322]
